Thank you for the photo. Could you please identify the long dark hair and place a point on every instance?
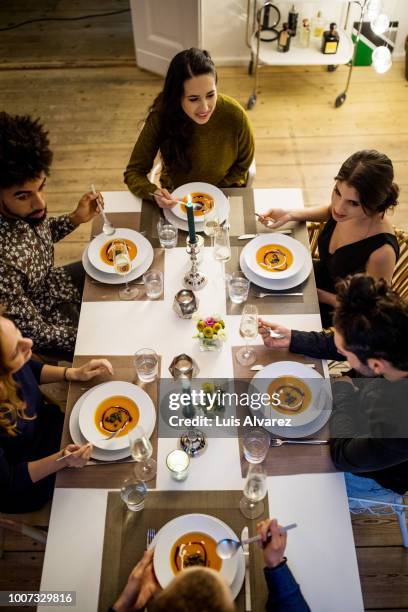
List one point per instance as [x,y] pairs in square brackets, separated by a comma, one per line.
[372,319]
[175,126]
[372,176]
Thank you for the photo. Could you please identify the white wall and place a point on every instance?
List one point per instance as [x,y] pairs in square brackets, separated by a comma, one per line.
[224,24]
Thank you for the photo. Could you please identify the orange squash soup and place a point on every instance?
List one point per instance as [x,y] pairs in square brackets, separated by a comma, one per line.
[294,394]
[194,548]
[274,258]
[204,201]
[114,412]
[107,257]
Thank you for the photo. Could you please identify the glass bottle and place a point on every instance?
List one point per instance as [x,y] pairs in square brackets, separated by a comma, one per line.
[293,20]
[330,40]
[318,26]
[305,33]
[284,39]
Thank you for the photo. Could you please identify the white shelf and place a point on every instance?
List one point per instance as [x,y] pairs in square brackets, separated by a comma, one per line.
[299,56]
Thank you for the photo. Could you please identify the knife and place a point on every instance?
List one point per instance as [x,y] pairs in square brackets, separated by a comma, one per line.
[244,536]
[249,236]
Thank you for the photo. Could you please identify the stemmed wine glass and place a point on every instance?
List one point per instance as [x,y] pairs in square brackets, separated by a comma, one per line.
[123,265]
[211,225]
[221,247]
[141,450]
[248,329]
[251,504]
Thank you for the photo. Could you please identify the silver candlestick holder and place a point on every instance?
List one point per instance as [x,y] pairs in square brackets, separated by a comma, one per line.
[194,279]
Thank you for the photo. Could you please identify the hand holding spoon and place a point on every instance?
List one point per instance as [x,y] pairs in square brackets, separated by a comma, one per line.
[107,228]
[227,548]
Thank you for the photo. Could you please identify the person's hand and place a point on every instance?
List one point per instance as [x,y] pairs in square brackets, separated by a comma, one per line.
[87,208]
[265,328]
[79,455]
[273,542]
[140,587]
[90,370]
[276,217]
[164,198]
[325,297]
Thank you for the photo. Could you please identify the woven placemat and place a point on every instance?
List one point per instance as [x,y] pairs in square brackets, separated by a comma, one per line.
[289,458]
[125,536]
[113,474]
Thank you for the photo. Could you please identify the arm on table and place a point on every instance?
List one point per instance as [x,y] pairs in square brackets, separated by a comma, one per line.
[280,216]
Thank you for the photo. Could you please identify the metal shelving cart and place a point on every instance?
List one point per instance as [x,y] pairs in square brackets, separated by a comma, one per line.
[264,52]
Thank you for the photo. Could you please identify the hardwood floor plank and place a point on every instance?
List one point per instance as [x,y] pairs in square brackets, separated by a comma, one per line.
[384,576]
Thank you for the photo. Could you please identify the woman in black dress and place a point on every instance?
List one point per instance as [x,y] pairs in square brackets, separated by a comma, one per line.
[357,236]
[30,429]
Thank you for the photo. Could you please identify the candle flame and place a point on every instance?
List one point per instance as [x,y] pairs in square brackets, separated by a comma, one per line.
[189,199]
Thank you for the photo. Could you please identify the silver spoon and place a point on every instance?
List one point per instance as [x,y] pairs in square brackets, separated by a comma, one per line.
[227,547]
[275,442]
[108,228]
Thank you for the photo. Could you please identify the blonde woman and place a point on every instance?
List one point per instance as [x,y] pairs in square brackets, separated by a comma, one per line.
[30,429]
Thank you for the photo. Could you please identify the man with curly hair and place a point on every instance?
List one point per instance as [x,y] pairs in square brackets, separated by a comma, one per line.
[43,300]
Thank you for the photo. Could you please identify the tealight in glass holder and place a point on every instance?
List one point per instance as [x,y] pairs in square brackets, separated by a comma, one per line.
[185,303]
[178,463]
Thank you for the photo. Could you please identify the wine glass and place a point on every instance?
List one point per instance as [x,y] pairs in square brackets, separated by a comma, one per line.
[141,450]
[251,504]
[221,248]
[248,329]
[211,225]
[123,265]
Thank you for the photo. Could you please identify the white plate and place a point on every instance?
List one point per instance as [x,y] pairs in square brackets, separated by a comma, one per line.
[238,581]
[97,243]
[187,523]
[116,279]
[78,438]
[147,413]
[299,252]
[314,381]
[278,284]
[220,201]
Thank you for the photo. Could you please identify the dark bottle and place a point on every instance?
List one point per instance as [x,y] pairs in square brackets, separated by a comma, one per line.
[284,39]
[330,40]
[292,20]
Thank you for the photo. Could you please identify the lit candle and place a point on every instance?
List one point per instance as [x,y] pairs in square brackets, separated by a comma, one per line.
[190,220]
[177,462]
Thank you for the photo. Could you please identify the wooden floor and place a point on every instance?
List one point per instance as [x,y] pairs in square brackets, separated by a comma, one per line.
[81,79]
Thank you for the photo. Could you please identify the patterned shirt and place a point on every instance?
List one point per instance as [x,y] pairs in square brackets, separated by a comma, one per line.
[31,288]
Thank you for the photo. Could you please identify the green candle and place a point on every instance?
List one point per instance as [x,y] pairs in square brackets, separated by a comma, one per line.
[190,220]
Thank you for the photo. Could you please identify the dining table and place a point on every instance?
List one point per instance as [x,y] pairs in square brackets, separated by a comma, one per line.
[92,539]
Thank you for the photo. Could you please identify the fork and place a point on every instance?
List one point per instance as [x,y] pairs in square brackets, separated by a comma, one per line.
[275,442]
[150,535]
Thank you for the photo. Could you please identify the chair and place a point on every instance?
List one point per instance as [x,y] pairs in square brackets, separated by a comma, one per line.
[399,281]
[157,166]
[379,508]
[28,524]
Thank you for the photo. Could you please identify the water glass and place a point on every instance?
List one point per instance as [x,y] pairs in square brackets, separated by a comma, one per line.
[238,288]
[168,235]
[153,282]
[147,364]
[133,493]
[141,450]
[222,248]
[178,463]
[256,445]
[251,505]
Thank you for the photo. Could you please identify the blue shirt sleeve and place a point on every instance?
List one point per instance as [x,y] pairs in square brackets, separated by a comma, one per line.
[36,368]
[284,594]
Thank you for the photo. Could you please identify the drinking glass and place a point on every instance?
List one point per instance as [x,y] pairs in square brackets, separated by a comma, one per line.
[248,329]
[238,288]
[153,282]
[251,505]
[168,235]
[123,266]
[133,493]
[211,225]
[178,463]
[222,249]
[147,364]
[141,451]
[256,445]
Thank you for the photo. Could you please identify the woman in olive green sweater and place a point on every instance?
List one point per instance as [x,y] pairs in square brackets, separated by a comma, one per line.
[201,135]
